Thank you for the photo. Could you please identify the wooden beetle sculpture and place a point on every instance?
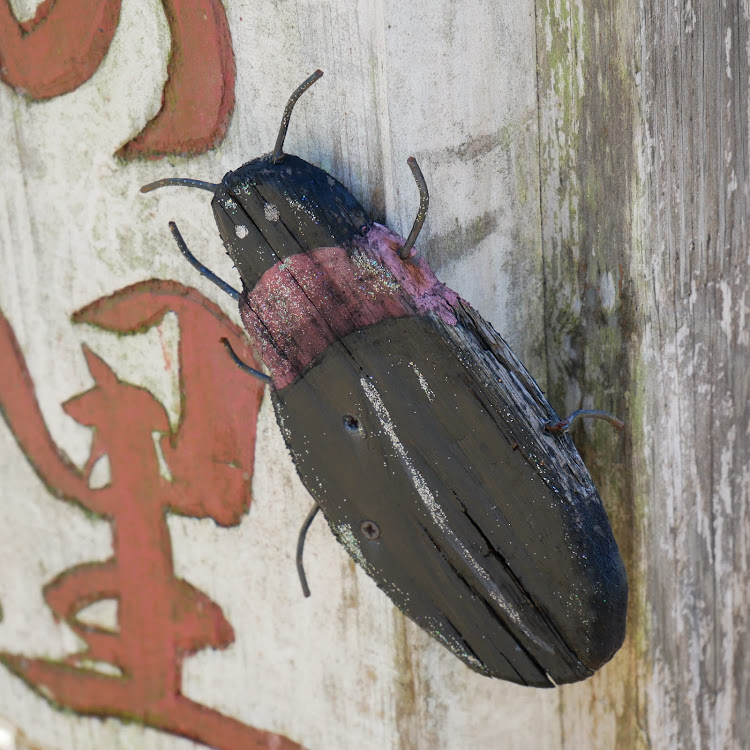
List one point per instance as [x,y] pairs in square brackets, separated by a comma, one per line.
[431,451]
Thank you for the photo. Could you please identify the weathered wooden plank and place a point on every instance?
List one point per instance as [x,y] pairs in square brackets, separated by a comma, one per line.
[588,120]
[695,289]
[643,125]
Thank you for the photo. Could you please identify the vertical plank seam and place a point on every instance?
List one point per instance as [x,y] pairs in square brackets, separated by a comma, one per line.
[548,373]
[680,232]
[383,113]
[719,249]
[545,310]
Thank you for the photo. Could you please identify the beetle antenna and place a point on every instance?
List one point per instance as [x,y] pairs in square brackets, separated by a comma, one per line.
[243,365]
[564,425]
[424,202]
[181,181]
[277,151]
[210,275]
[301,547]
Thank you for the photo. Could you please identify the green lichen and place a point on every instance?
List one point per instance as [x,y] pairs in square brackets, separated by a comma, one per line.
[588,166]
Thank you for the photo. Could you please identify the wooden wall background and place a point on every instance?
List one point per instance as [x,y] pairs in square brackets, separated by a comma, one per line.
[588,167]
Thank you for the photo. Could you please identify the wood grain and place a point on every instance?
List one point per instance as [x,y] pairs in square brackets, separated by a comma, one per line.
[643,126]
[695,291]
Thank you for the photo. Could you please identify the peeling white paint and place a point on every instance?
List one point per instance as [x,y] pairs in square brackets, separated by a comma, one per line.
[732,183]
[727,309]
[608,292]
[689,17]
[728,51]
[271,212]
[424,385]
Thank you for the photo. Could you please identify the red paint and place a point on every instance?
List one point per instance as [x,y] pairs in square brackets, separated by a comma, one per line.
[66,41]
[302,305]
[216,487]
[58,49]
[198,97]
[161,618]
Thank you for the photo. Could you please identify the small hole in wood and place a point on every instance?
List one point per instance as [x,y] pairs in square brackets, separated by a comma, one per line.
[351,424]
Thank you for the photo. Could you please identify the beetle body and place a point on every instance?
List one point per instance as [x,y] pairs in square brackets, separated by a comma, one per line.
[419,434]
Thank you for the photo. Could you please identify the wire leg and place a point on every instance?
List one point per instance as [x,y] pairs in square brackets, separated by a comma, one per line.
[212,187]
[244,367]
[565,424]
[424,203]
[301,548]
[296,94]
[210,275]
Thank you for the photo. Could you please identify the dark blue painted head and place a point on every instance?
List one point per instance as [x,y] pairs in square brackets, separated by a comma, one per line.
[277,205]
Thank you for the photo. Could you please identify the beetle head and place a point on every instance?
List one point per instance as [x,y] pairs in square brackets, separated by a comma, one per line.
[278,205]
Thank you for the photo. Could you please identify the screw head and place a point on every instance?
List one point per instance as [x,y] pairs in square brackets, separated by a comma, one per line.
[370,530]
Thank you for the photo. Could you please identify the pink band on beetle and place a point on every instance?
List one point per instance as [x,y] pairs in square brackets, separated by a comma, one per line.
[302,305]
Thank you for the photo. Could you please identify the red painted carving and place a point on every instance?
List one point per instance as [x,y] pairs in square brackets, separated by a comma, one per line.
[58,49]
[63,45]
[198,97]
[161,618]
